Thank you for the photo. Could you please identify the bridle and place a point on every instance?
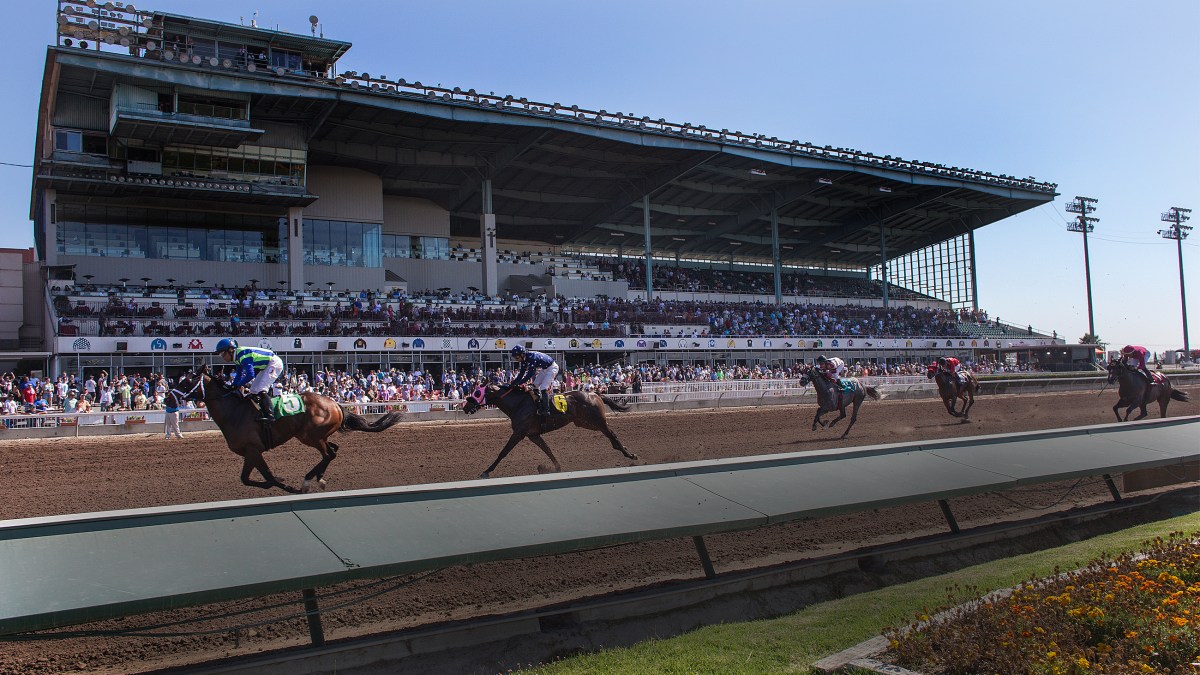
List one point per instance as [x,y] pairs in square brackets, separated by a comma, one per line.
[182,396]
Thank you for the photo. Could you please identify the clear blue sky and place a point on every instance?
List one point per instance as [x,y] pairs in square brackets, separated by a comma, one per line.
[1101,97]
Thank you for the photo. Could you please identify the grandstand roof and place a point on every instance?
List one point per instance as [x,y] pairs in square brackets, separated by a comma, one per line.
[574,177]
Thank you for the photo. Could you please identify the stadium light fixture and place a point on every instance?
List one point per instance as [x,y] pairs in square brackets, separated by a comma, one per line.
[1085,224]
[1178,231]
[825,181]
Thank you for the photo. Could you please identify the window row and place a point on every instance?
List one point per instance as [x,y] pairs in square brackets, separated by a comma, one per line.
[426,248]
[341,243]
[172,243]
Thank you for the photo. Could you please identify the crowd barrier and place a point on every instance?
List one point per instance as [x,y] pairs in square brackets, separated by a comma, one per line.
[654,396]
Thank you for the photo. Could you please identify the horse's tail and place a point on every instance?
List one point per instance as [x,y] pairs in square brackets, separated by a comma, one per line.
[352,421]
[619,407]
[1180,396]
[872,392]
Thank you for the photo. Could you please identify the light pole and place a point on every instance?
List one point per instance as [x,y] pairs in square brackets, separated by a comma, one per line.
[1178,231]
[1084,223]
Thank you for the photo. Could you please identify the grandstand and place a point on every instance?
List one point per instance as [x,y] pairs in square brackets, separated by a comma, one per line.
[241,183]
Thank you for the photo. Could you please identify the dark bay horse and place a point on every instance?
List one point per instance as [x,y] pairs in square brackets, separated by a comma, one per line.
[830,397]
[952,390]
[238,420]
[1135,392]
[584,409]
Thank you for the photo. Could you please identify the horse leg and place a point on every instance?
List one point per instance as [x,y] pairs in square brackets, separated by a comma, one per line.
[817,418]
[512,442]
[328,454]
[968,403]
[538,441]
[1163,401]
[1141,409]
[950,404]
[839,418]
[853,418]
[253,460]
[1116,408]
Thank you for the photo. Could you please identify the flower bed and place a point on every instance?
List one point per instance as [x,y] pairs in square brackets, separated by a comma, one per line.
[1136,613]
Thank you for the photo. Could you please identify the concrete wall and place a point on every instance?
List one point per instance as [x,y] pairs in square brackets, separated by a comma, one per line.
[416,217]
[12,297]
[346,194]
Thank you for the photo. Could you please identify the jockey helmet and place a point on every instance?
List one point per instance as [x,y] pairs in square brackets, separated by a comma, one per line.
[941,360]
[224,344]
[1127,349]
[518,351]
[821,359]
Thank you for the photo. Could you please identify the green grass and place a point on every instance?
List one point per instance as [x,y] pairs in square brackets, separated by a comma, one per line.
[791,644]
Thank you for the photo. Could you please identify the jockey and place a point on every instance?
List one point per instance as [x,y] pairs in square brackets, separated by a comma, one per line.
[532,362]
[258,367]
[948,364]
[1133,354]
[832,369]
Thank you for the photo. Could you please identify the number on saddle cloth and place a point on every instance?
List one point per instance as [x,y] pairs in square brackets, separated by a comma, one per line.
[288,404]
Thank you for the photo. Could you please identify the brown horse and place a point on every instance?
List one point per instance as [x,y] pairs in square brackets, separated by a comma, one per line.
[951,389]
[1135,392]
[829,398]
[246,436]
[584,409]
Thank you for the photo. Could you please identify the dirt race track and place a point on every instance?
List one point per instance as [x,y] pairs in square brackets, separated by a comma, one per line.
[72,475]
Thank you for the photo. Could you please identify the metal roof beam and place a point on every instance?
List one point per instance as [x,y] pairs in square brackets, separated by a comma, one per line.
[392,156]
[496,163]
[755,209]
[894,209]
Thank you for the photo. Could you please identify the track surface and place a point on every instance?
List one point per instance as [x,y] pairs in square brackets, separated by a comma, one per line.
[74,475]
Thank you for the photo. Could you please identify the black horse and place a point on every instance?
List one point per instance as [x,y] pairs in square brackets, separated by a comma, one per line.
[1135,392]
[584,409]
[246,435]
[830,397]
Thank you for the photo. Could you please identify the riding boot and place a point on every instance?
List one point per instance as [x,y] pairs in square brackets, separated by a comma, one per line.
[264,407]
[544,404]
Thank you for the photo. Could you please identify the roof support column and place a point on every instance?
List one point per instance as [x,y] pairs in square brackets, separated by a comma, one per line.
[50,225]
[776,260]
[649,258]
[487,232]
[293,222]
[974,286]
[883,266]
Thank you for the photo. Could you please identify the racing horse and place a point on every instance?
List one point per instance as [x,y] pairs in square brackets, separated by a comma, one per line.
[584,409]
[1135,392]
[831,397]
[247,437]
[951,389]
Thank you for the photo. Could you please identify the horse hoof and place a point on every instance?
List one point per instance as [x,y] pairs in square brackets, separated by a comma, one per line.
[634,457]
[322,483]
[485,474]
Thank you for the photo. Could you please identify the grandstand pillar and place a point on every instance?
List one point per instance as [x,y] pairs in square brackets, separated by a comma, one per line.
[295,247]
[775,258]
[50,219]
[487,232]
[974,286]
[883,267]
[649,260]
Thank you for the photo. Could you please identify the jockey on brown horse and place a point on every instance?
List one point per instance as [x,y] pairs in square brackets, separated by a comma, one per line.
[1138,387]
[953,385]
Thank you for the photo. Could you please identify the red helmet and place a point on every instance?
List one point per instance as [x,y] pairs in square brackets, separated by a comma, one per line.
[1127,349]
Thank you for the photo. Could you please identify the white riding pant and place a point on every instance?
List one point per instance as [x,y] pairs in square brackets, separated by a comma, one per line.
[267,377]
[545,377]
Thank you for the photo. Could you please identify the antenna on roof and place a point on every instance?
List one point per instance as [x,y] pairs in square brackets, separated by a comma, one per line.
[313,20]
[254,20]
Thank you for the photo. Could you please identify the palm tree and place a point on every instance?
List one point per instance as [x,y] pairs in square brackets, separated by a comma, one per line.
[1089,339]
